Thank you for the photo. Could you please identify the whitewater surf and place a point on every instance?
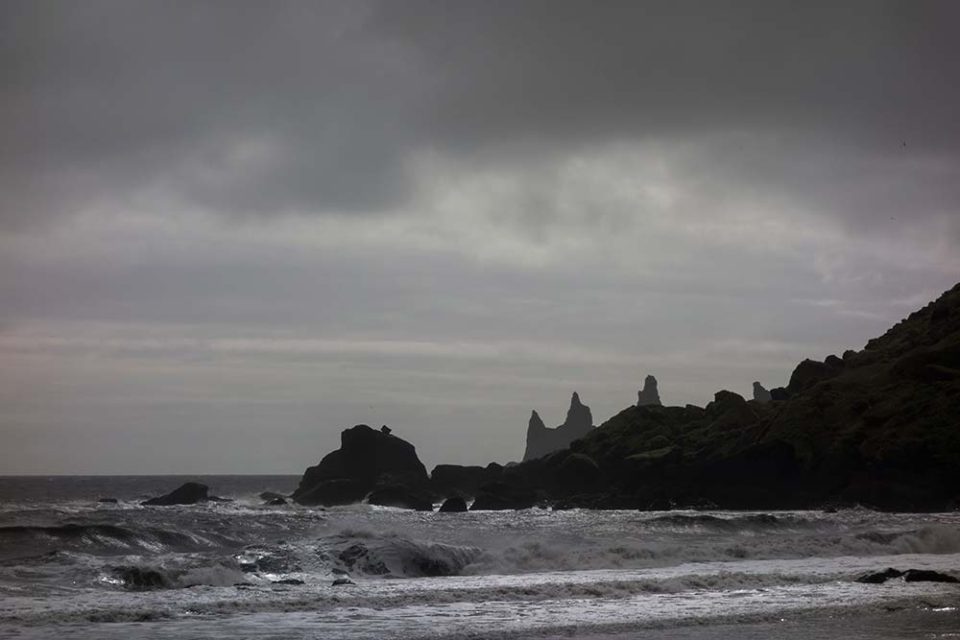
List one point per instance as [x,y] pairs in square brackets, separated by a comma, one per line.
[74,567]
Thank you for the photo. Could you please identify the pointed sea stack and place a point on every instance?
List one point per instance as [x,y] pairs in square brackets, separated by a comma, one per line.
[649,396]
[579,418]
[541,440]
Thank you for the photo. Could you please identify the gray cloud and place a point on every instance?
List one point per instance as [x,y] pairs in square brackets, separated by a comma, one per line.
[317,107]
[223,218]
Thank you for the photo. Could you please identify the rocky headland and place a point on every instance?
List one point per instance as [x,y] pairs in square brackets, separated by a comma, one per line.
[877,427]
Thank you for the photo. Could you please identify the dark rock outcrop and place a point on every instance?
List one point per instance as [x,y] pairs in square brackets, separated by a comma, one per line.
[367,459]
[456,504]
[187,493]
[649,395]
[910,575]
[142,579]
[760,394]
[541,440]
[925,575]
[402,497]
[448,479]
[499,496]
[331,493]
[808,373]
[578,471]
[833,363]
[876,427]
[880,576]
[779,393]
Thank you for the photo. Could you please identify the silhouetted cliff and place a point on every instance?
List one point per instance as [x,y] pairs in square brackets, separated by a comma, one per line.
[877,427]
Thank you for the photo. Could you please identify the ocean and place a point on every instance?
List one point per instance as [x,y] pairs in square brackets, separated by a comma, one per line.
[74,567]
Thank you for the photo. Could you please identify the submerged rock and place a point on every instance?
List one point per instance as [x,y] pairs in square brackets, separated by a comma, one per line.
[910,575]
[187,493]
[925,575]
[456,504]
[140,578]
[880,576]
[500,496]
[400,497]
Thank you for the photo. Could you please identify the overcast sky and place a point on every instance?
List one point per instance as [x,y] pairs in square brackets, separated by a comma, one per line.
[229,230]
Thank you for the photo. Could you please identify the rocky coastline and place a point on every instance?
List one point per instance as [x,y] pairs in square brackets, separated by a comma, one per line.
[876,427]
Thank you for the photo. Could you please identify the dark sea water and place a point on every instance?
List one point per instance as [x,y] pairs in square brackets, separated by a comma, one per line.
[60,489]
[74,567]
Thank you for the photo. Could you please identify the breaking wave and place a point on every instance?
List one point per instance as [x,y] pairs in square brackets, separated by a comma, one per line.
[757,521]
[103,537]
[394,556]
[142,578]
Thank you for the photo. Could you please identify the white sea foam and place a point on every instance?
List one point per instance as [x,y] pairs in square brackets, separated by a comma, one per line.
[233,570]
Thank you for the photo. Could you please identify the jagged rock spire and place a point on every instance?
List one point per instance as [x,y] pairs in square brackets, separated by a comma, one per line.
[542,440]
[649,395]
[579,417]
[535,421]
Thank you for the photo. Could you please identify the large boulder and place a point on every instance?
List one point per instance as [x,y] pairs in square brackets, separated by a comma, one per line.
[500,496]
[649,395]
[542,440]
[187,493]
[454,504]
[448,479]
[366,459]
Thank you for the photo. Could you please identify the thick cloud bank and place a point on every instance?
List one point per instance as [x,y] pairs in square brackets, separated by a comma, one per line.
[222,220]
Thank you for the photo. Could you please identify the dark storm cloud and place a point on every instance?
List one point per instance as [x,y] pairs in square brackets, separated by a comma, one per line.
[316,107]
[222,217]
[236,107]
